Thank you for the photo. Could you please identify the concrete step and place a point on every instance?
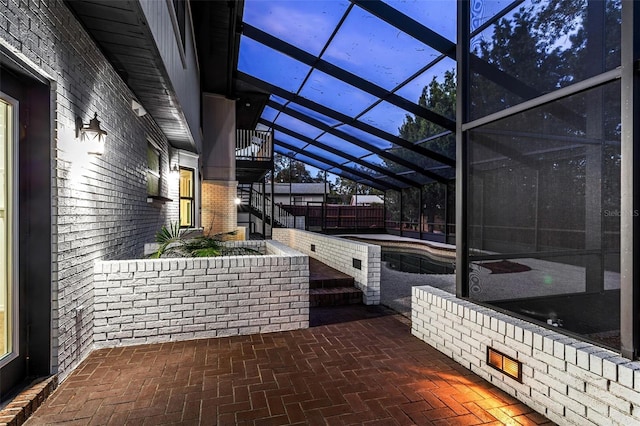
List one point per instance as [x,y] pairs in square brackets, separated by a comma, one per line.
[323,276]
[334,296]
[330,287]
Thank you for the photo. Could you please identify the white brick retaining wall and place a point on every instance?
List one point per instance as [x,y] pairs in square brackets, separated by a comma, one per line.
[569,381]
[339,254]
[158,300]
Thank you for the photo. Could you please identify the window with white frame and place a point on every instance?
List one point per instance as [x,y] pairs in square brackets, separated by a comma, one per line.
[153,170]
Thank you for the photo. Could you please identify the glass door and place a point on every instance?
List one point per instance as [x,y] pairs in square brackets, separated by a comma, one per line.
[25,231]
[7,229]
[186,198]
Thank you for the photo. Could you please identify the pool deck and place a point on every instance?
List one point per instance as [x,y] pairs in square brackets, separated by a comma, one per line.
[544,277]
[442,250]
[397,238]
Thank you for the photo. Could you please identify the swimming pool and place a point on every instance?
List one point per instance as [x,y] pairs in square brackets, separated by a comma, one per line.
[415,263]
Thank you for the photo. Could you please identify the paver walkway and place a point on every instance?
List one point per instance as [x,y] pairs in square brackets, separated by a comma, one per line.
[355,365]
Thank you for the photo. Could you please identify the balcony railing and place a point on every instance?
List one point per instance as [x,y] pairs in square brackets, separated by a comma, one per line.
[254,145]
[274,215]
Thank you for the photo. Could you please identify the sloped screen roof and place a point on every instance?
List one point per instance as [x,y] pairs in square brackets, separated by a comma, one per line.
[347,81]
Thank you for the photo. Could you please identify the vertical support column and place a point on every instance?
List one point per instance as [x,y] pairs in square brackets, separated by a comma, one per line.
[356,209]
[324,203]
[421,213]
[479,188]
[630,182]
[594,229]
[219,186]
[446,213]
[401,211]
[264,207]
[273,197]
[384,211]
[462,108]
[219,211]
[536,213]
[324,195]
[290,174]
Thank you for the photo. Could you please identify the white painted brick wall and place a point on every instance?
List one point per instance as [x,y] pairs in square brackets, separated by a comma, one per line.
[339,253]
[99,208]
[569,381]
[150,301]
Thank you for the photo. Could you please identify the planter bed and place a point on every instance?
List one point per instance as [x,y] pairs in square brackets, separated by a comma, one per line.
[169,299]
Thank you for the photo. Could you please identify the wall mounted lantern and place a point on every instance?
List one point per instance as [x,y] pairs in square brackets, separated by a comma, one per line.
[175,170]
[137,108]
[92,134]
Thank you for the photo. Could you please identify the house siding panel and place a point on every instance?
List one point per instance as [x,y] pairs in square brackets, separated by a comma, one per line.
[184,76]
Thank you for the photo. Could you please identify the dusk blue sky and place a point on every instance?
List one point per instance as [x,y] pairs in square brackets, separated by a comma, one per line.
[349,37]
[363,45]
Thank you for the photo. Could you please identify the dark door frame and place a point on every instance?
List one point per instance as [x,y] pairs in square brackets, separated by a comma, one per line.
[34,248]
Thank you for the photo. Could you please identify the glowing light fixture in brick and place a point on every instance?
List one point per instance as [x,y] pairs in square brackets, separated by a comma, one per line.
[92,134]
[504,363]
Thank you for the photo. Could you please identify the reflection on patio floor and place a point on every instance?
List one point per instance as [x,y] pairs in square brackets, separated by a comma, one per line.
[356,365]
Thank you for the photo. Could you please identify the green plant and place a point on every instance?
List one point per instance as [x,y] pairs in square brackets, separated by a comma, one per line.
[203,247]
[175,242]
[166,237]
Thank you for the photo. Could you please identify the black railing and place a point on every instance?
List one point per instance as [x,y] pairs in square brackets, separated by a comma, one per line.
[254,145]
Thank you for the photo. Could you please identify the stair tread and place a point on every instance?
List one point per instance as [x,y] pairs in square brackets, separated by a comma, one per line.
[331,283]
[334,290]
[331,297]
[322,275]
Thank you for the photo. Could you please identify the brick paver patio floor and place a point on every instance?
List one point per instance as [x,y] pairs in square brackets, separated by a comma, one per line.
[355,365]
